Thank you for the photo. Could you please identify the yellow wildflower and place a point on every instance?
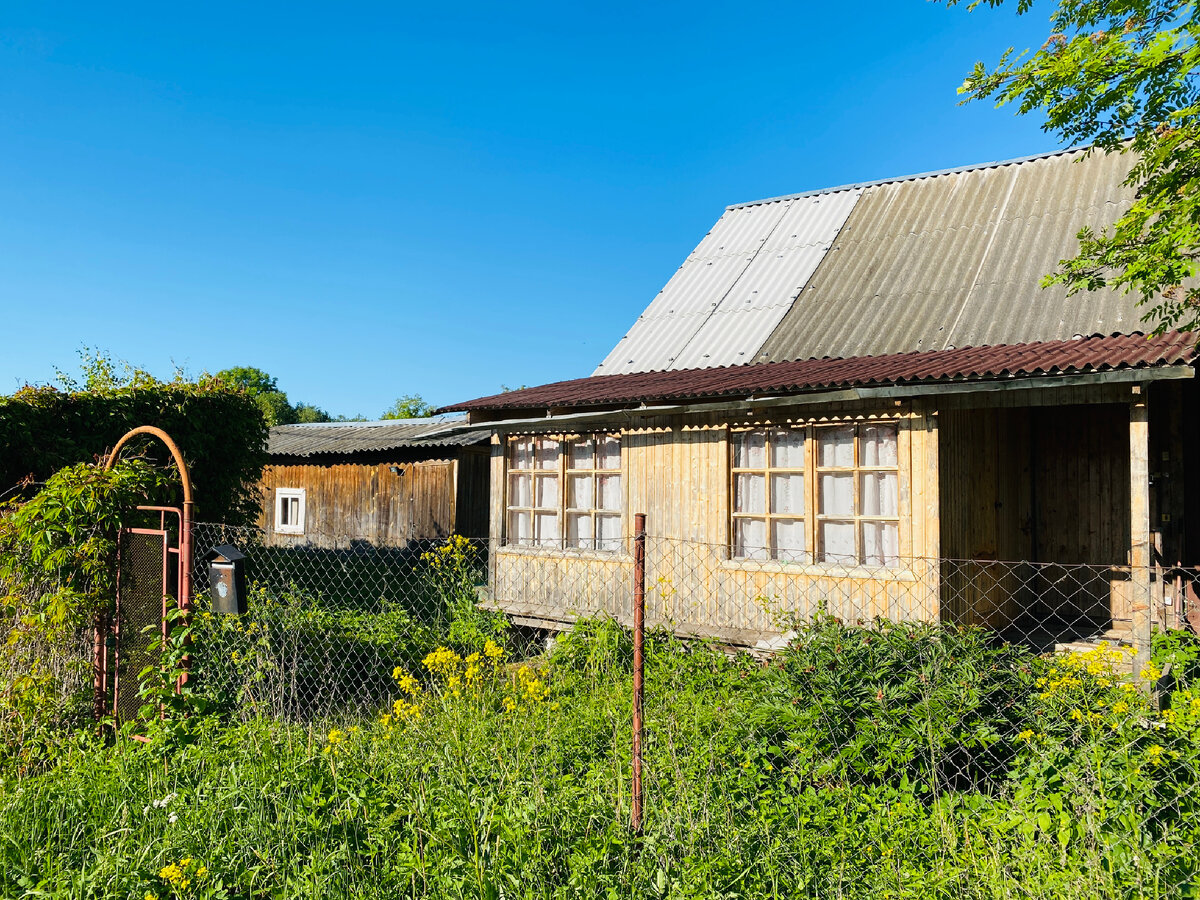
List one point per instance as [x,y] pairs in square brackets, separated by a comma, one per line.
[1025,735]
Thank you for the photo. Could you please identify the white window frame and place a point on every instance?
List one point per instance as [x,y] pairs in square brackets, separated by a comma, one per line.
[283,496]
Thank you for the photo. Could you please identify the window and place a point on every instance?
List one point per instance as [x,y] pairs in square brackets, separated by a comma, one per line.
[851,498]
[768,494]
[289,510]
[857,514]
[586,513]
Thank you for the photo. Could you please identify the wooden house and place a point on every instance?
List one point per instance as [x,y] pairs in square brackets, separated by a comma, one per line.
[383,484]
[860,400]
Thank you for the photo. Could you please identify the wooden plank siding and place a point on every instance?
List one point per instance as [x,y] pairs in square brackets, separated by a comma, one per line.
[350,502]
[676,469]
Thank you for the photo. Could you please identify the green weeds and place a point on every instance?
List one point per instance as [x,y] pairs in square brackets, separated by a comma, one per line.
[890,761]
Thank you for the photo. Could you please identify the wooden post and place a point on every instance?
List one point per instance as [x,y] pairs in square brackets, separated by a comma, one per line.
[639,634]
[1141,598]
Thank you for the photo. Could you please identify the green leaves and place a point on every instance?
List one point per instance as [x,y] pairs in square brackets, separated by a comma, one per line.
[1121,75]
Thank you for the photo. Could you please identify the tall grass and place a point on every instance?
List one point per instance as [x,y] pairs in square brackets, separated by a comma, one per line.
[791,779]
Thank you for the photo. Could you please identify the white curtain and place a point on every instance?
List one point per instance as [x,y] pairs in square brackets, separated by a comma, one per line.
[837,495]
[609,456]
[881,544]
[787,448]
[547,529]
[519,528]
[750,538]
[749,493]
[547,453]
[878,494]
[837,543]
[836,447]
[877,446]
[787,541]
[579,491]
[546,492]
[519,493]
[608,532]
[610,491]
[521,453]
[750,450]
[581,454]
[579,531]
[787,494]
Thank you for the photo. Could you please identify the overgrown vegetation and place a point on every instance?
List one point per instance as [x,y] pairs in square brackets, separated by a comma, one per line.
[58,563]
[221,432]
[822,773]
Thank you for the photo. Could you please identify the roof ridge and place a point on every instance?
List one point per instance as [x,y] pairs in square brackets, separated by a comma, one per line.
[955,170]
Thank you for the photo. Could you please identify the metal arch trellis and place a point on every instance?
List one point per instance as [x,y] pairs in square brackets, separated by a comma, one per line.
[150,572]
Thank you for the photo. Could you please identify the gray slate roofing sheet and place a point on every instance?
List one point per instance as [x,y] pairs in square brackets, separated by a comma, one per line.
[955,259]
[360,437]
[734,288]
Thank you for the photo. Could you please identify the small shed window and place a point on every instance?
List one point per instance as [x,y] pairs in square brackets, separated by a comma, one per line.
[289,510]
[843,479]
[565,491]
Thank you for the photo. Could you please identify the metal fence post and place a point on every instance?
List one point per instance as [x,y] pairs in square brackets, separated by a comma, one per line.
[639,634]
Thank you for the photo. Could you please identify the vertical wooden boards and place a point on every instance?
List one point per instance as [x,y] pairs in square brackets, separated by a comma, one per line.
[347,502]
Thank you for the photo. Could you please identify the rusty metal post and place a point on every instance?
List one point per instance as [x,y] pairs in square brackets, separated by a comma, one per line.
[100,667]
[639,635]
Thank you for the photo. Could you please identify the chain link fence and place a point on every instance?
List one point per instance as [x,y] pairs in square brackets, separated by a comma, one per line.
[1049,710]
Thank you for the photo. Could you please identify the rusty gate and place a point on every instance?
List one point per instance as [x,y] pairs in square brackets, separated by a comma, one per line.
[153,575]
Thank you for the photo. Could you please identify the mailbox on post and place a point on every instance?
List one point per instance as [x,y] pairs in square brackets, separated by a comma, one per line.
[226,579]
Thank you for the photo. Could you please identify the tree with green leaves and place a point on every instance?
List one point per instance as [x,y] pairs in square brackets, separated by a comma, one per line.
[273,402]
[410,406]
[1121,75]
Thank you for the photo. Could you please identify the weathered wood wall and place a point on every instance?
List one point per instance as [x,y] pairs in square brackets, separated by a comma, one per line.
[1050,483]
[349,502]
[676,470]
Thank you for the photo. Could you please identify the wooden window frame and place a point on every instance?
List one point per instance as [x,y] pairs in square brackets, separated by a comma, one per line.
[561,472]
[283,495]
[812,471]
[767,471]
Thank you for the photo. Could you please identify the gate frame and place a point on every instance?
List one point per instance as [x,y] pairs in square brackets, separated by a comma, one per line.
[100,663]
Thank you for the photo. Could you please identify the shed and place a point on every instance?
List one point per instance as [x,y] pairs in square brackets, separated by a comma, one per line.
[860,401]
[385,484]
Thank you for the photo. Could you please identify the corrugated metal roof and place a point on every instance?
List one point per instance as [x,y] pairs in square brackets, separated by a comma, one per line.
[734,288]
[923,262]
[988,363]
[956,260]
[360,437]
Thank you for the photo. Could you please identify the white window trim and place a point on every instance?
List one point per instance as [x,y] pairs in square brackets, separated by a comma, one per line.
[284,494]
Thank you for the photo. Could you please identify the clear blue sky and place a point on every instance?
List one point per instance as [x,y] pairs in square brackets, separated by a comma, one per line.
[368,200]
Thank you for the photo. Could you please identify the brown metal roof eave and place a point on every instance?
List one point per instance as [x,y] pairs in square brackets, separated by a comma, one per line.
[833,394]
[1097,353]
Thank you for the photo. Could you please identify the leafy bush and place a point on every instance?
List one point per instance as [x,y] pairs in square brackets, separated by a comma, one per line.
[221,433]
[58,561]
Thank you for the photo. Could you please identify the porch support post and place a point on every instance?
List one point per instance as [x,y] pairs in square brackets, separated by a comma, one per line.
[1139,528]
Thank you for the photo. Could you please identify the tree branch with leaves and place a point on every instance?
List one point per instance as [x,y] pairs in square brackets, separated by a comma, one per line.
[1121,76]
